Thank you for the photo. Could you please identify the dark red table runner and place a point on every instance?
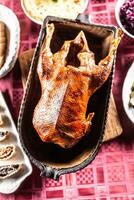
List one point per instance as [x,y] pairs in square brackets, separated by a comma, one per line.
[111,175]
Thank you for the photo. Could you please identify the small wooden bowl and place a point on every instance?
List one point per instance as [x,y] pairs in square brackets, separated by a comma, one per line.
[51,159]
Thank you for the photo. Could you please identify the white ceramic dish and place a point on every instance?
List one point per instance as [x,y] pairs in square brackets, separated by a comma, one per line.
[13,33]
[10,185]
[129,80]
[117,15]
[75,13]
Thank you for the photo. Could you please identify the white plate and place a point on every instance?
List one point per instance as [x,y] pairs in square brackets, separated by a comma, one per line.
[129,80]
[75,14]
[117,15]
[11,184]
[11,21]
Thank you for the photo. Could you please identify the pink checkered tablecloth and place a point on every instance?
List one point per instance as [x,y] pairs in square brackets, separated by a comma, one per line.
[111,174]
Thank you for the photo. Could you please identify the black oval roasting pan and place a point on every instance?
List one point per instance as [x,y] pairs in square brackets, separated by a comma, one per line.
[51,159]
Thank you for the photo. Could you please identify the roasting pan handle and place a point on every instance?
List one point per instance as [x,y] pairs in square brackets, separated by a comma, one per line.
[49,172]
[83,18]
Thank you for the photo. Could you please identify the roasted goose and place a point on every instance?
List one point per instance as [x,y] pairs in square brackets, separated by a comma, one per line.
[68,79]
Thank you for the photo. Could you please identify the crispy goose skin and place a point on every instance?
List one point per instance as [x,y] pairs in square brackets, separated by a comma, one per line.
[68,79]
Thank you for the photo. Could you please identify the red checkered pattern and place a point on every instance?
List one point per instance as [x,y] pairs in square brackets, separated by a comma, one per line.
[116,173]
[17,97]
[111,174]
[52,183]
[112,147]
[85,176]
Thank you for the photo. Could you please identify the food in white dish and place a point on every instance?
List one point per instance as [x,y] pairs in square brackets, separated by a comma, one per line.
[124,11]
[7,171]
[3,43]
[126,93]
[11,22]
[7,152]
[127,15]
[131,102]
[39,9]
[15,166]
[1,120]
[3,135]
